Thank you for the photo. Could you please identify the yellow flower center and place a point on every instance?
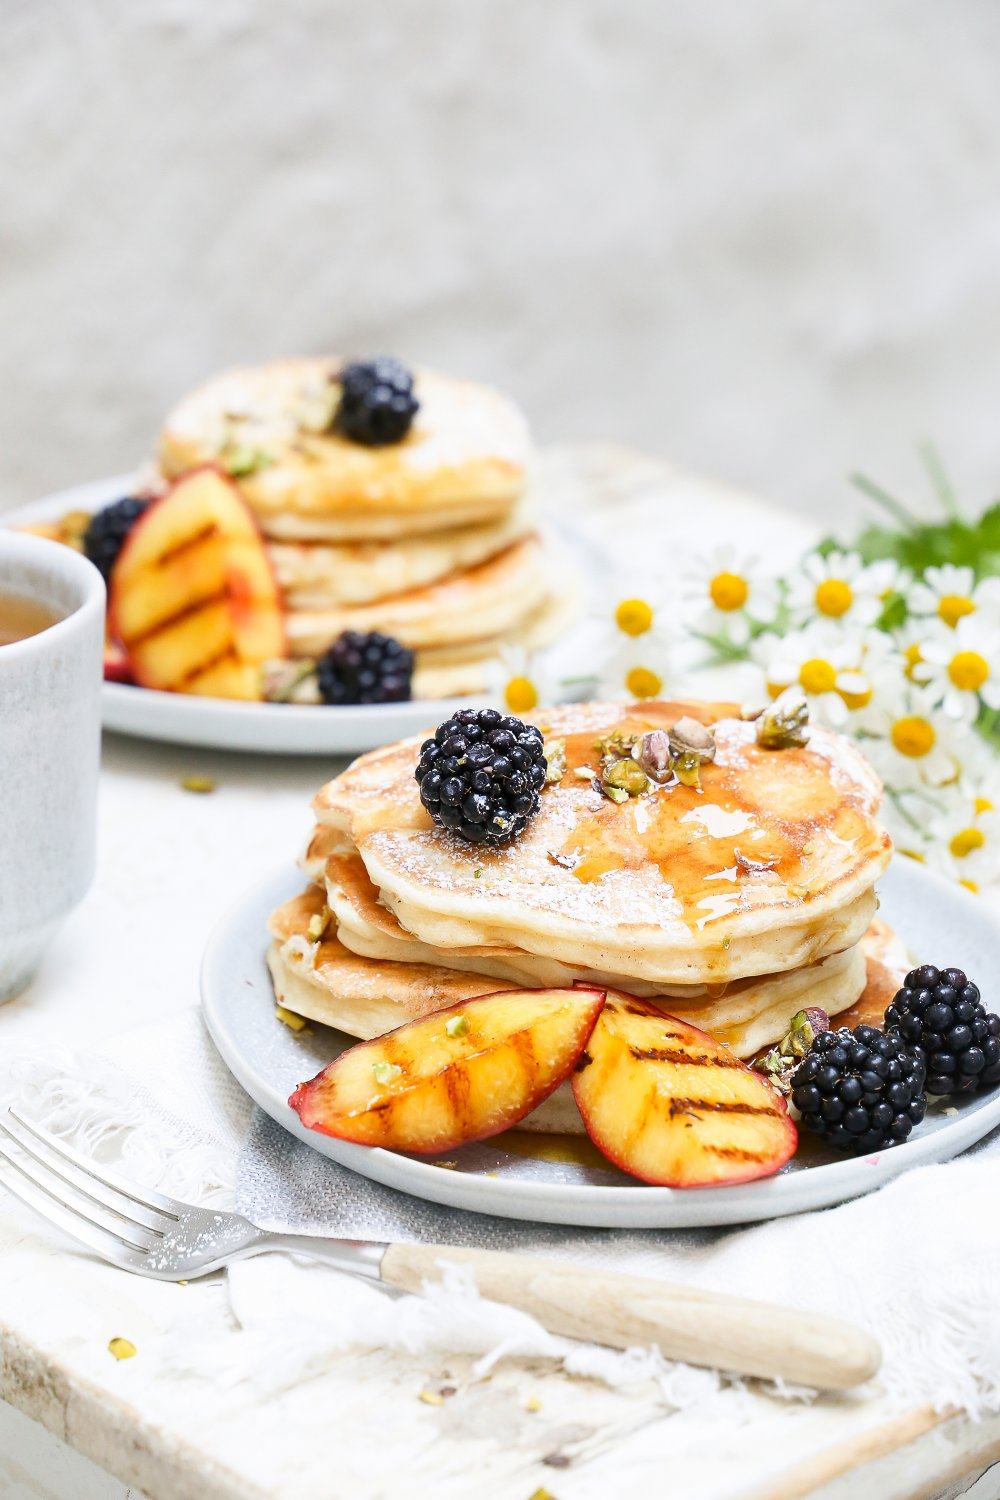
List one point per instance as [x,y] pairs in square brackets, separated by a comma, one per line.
[834,597]
[520,695]
[968,670]
[951,608]
[729,591]
[855,690]
[775,689]
[634,616]
[965,841]
[971,885]
[817,676]
[642,683]
[913,736]
[983,805]
[912,658]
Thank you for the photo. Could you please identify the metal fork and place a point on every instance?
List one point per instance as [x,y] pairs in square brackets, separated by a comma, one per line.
[151,1234]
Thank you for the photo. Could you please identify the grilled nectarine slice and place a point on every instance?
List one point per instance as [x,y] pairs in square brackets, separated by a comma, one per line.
[669,1104]
[193,598]
[459,1075]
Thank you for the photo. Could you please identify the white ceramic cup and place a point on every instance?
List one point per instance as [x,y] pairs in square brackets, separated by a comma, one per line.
[50,740]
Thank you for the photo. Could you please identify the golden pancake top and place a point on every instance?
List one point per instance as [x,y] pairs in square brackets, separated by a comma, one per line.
[463,459]
[769,865]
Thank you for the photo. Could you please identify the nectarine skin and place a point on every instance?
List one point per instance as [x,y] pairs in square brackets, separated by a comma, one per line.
[194,599]
[462,1074]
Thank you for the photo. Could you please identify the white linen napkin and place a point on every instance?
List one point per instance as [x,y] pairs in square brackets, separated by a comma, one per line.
[916,1262]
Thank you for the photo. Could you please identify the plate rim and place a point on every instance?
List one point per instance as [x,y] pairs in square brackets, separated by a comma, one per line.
[638,1205]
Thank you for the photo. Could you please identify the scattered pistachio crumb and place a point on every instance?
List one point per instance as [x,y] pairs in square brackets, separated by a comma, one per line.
[290,1019]
[532,1404]
[122,1348]
[477,873]
[726,941]
[198,784]
[386,1072]
[457,1025]
[583,773]
[431,1398]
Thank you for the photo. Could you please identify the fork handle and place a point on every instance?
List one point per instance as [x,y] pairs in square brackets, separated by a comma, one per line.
[698,1327]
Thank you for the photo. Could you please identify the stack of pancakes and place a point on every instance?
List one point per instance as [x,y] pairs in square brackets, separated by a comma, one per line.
[733,905]
[431,540]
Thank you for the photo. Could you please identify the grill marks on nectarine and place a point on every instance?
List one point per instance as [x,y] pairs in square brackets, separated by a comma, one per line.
[672,1106]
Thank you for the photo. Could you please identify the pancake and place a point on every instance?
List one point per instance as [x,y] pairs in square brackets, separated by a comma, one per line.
[658,887]
[325,982]
[367,997]
[369,929]
[477,604]
[473,667]
[327,575]
[462,462]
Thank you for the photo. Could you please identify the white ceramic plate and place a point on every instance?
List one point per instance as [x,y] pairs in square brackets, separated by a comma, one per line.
[939,922]
[217,724]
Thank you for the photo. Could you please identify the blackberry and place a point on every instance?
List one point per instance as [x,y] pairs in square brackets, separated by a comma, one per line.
[107,530]
[940,1016]
[377,404]
[860,1090]
[481,775]
[365,668]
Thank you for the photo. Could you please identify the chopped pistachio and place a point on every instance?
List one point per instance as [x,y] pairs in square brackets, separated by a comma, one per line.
[583,773]
[690,737]
[783,725]
[477,873]
[385,1073]
[289,681]
[319,922]
[200,784]
[614,793]
[780,1062]
[240,459]
[555,757]
[122,1348]
[618,743]
[457,1026]
[726,941]
[431,1398]
[654,755]
[624,775]
[290,1019]
[687,768]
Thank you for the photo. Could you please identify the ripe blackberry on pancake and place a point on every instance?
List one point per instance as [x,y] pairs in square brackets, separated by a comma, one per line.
[377,404]
[481,774]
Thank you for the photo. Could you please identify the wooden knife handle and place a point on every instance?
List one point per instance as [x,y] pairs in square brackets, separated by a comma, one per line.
[700,1328]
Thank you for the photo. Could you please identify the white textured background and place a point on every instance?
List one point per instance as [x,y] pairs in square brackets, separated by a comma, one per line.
[762,239]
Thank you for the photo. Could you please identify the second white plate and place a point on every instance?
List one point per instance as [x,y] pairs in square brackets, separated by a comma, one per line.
[218,724]
[938,921]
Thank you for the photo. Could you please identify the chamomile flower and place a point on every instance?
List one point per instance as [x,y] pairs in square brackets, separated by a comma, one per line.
[961,667]
[827,664]
[951,594]
[636,670]
[722,593]
[520,681]
[839,587]
[966,841]
[913,743]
